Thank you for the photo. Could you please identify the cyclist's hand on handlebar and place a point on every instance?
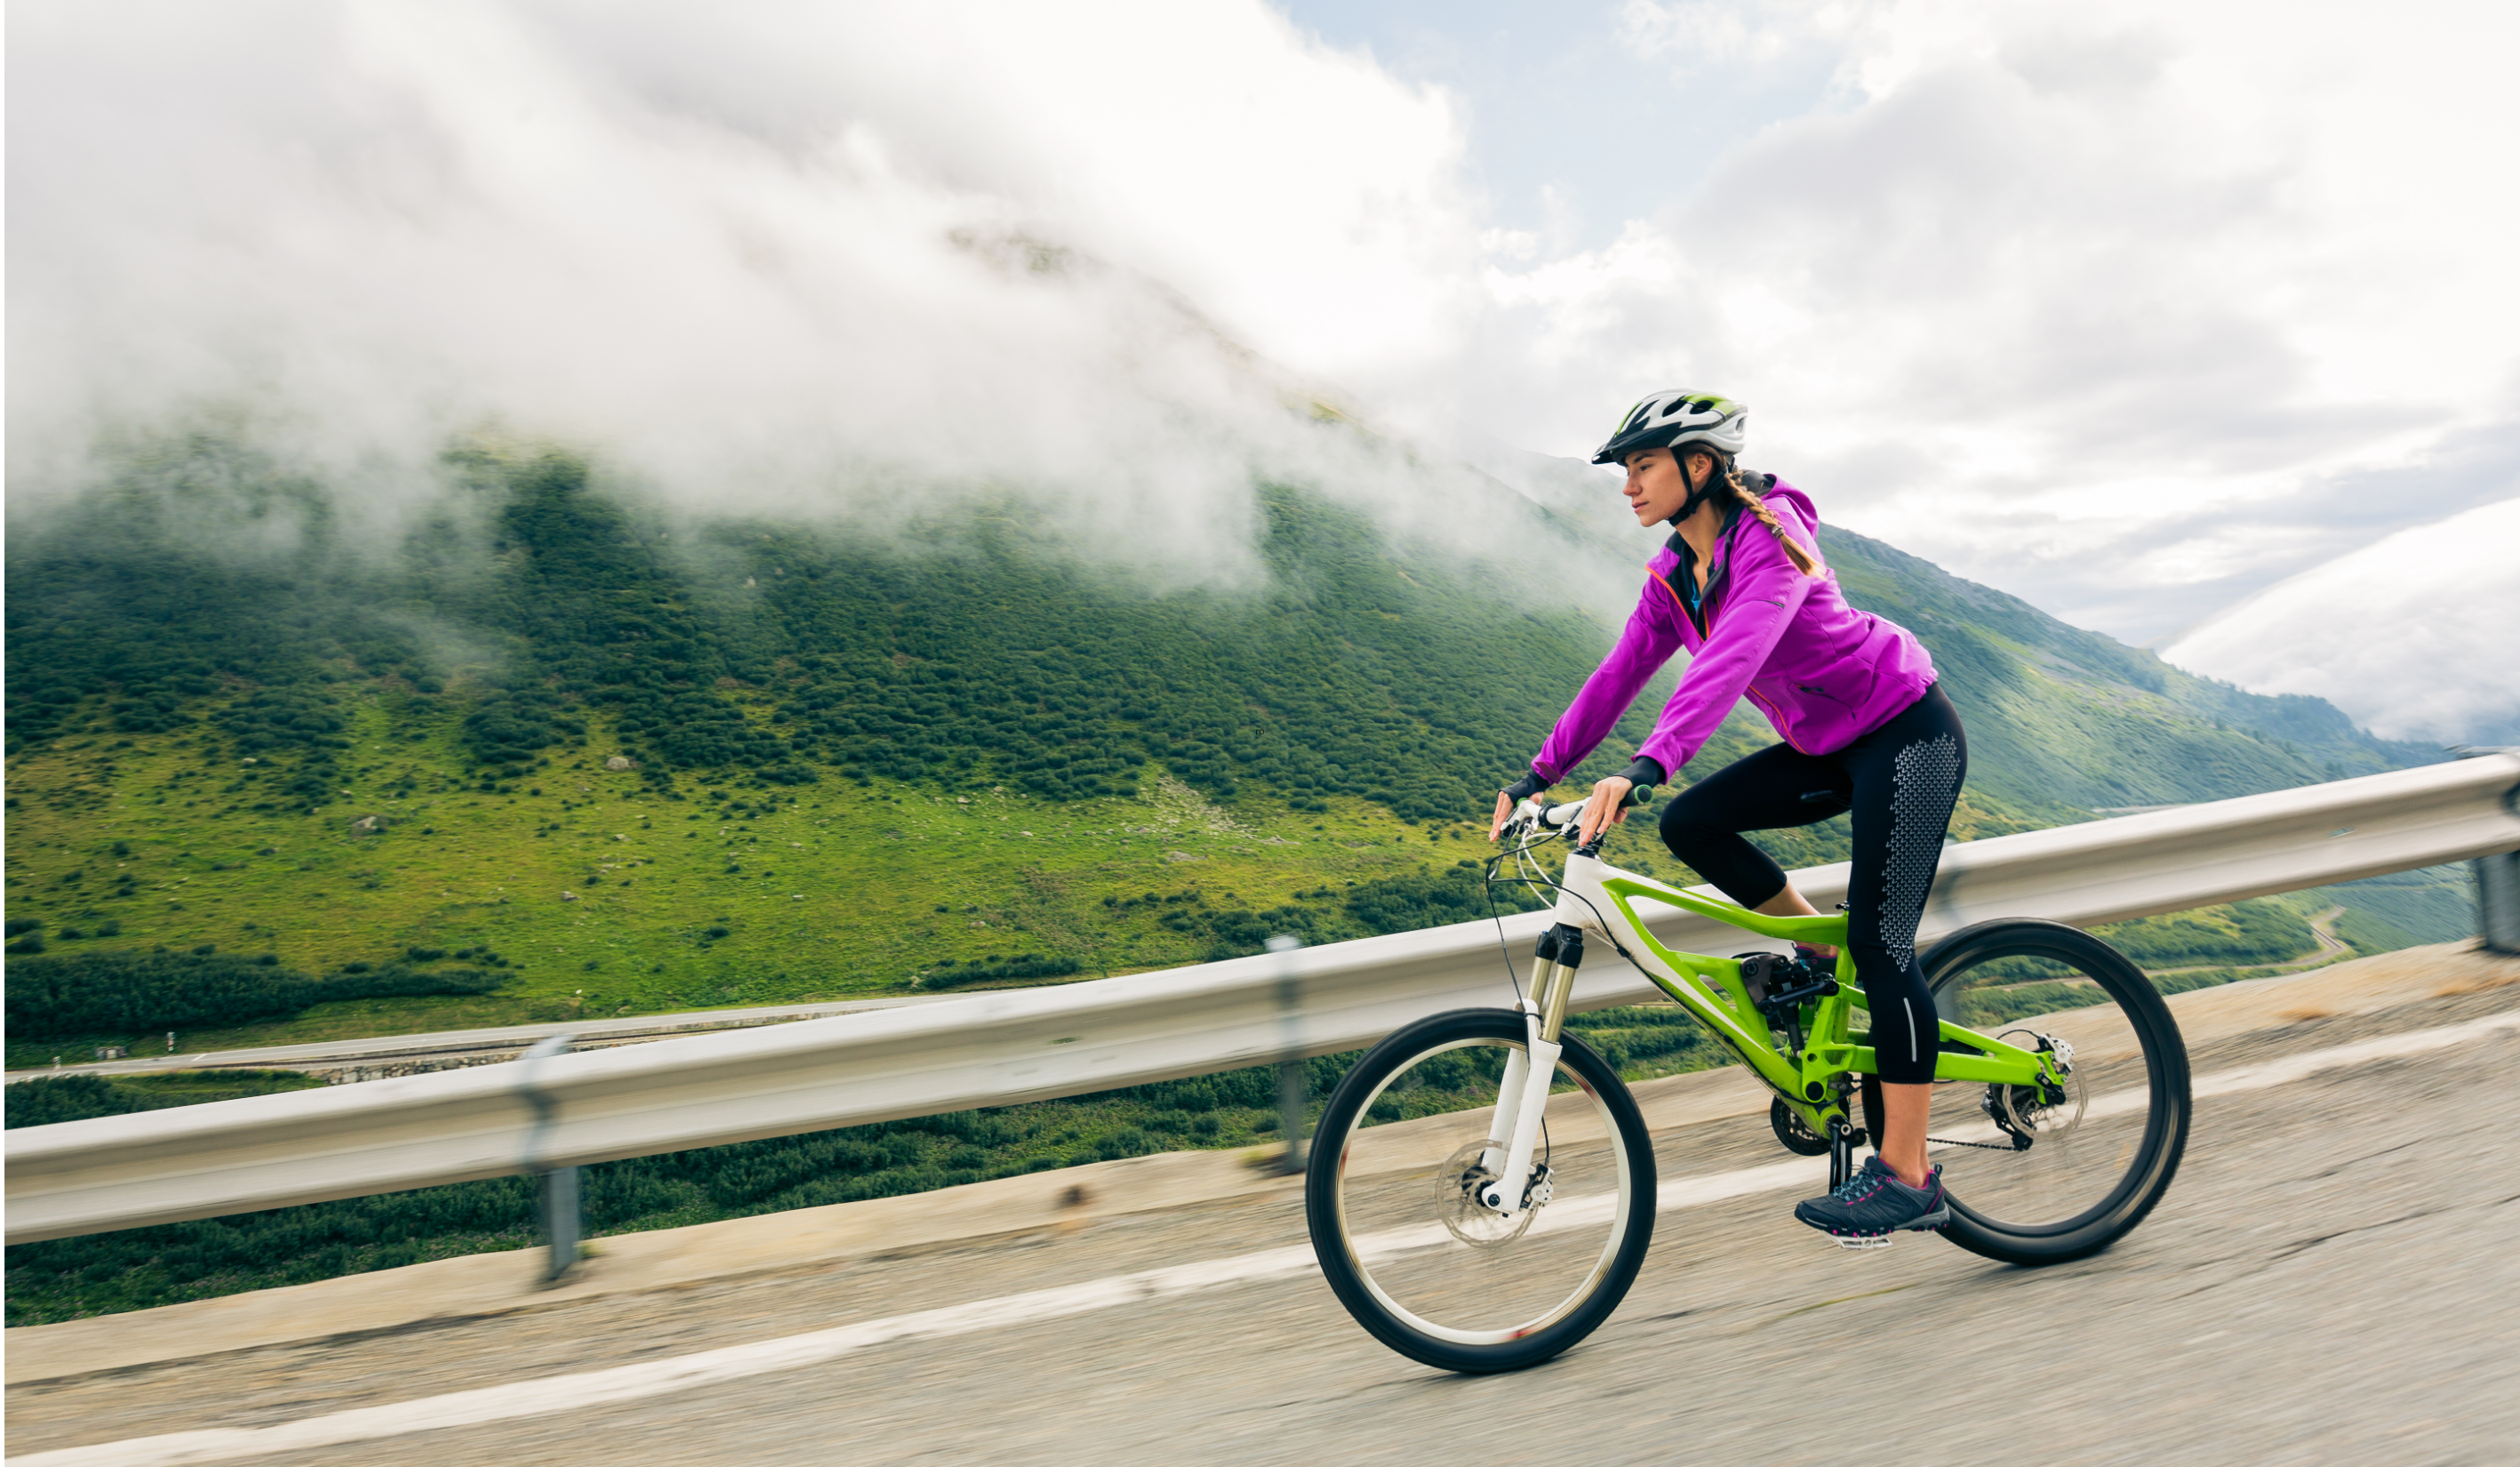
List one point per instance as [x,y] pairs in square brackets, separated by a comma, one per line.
[1533,783]
[1606,807]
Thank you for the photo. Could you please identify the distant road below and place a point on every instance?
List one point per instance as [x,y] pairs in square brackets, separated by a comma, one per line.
[389,1055]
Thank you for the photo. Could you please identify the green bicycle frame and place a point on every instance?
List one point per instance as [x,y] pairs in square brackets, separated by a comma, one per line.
[1813,1083]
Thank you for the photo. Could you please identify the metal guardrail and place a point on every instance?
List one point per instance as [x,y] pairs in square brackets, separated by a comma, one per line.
[120,1172]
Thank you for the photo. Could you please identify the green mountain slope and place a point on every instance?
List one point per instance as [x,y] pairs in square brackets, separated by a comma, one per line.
[2056,713]
[632,763]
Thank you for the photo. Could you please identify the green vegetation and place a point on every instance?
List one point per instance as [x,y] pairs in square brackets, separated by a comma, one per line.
[2258,931]
[2057,714]
[666,764]
[50,1099]
[1336,914]
[2384,913]
[142,992]
[950,974]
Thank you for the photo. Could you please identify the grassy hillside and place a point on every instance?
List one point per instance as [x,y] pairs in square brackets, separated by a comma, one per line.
[625,762]
[638,776]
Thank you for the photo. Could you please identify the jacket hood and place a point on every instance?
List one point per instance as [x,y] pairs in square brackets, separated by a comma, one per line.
[1664,559]
[1777,488]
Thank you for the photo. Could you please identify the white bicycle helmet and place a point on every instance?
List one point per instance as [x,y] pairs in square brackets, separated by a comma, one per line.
[1669,419]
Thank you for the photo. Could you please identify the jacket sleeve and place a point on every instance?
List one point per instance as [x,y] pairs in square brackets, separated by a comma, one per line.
[1650,638]
[1767,590]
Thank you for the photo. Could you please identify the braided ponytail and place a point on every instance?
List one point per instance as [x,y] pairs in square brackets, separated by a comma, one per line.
[1804,561]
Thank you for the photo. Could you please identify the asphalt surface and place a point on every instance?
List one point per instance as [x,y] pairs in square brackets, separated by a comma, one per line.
[2331,1279]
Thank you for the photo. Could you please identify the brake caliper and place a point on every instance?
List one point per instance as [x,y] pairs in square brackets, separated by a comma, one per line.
[2053,1069]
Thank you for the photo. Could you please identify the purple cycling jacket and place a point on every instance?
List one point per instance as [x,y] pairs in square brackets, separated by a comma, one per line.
[1824,673]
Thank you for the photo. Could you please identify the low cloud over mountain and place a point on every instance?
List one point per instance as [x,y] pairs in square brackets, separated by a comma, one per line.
[2412,635]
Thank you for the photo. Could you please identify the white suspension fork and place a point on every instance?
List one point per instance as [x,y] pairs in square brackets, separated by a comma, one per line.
[1508,1103]
[1504,1194]
[1522,1098]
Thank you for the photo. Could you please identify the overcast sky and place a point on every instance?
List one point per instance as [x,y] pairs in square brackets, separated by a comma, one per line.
[2136,311]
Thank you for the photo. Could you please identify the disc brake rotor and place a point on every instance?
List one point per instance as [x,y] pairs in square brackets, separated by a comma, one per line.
[2042,1113]
[1458,1185]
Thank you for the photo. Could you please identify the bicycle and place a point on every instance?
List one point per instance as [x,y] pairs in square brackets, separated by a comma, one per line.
[1478,1222]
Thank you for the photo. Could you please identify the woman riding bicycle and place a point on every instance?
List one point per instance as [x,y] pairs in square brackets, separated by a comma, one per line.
[1741,585]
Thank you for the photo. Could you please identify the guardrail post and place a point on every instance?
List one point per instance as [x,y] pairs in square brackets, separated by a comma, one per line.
[2498,900]
[1293,1075]
[2497,876]
[556,1186]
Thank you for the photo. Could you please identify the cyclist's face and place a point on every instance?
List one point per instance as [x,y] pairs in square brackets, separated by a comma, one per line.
[1655,488]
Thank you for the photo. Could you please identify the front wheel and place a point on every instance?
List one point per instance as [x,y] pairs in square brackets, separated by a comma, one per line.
[1391,1197]
[2044,1175]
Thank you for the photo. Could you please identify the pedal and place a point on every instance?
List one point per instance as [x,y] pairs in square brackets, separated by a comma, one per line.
[1862,1245]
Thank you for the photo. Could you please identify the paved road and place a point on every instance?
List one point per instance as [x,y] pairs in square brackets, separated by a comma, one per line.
[406,1054]
[2322,932]
[2332,1279]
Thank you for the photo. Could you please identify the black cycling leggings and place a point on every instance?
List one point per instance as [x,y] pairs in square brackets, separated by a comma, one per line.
[1901,781]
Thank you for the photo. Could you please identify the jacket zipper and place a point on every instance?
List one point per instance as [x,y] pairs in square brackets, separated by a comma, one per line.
[1695,619]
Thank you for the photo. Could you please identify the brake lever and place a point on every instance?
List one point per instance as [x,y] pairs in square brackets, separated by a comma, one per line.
[1519,825]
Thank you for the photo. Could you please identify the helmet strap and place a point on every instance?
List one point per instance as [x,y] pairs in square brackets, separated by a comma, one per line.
[1714,477]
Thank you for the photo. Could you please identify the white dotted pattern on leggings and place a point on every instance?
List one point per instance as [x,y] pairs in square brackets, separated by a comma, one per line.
[1925,782]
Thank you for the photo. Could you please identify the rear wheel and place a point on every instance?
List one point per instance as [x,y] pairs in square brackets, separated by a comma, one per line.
[1391,1197]
[2043,1177]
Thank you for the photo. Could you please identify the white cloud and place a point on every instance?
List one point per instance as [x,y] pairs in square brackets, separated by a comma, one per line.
[776,254]
[2412,634]
[2128,310]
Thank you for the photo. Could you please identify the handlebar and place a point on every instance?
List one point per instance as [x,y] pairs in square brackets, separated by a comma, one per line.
[1557,816]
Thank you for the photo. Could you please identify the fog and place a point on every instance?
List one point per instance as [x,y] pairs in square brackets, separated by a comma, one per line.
[790,259]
